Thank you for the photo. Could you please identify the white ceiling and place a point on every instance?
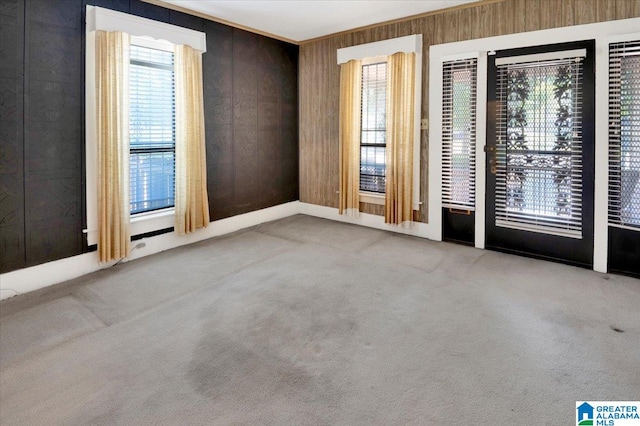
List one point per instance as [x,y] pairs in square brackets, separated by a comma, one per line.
[306,19]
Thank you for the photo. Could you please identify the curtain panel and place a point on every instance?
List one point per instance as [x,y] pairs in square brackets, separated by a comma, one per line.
[112,107]
[350,96]
[191,201]
[400,134]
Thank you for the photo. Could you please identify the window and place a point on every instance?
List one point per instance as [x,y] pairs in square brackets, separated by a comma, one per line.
[151,128]
[539,149]
[373,57]
[624,134]
[459,134]
[373,132]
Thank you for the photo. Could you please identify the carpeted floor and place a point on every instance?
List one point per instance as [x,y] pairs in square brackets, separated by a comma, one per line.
[308,321]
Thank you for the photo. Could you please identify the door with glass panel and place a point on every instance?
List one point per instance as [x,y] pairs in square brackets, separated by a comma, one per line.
[624,157]
[459,90]
[540,152]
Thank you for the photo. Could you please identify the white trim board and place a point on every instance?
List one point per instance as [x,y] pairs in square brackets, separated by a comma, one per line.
[100,18]
[408,44]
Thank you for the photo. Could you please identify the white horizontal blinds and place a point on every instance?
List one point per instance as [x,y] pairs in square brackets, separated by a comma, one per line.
[624,134]
[459,134]
[539,146]
[373,137]
[152,129]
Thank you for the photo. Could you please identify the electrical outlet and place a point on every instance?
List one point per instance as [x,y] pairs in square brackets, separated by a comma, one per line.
[424,124]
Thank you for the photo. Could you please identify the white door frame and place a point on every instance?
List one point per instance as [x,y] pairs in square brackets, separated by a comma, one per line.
[603,33]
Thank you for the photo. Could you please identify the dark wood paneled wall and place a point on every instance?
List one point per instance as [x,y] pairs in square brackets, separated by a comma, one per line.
[11,134]
[320,77]
[250,110]
[42,118]
[251,99]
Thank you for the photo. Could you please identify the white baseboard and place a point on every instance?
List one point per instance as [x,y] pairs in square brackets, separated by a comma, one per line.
[25,280]
[416,229]
[36,277]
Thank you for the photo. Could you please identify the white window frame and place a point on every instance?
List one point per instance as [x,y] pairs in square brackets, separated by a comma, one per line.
[161,218]
[369,196]
[603,33]
[370,51]
[145,32]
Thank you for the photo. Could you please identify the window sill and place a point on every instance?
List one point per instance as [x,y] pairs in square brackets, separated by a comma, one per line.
[379,199]
[372,198]
[143,223]
[139,217]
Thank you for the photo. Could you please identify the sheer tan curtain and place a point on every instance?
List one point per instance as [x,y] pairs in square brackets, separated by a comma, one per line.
[191,202]
[350,88]
[400,135]
[112,106]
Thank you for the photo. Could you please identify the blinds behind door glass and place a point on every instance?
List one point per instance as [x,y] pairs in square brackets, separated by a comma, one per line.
[151,129]
[539,146]
[624,134]
[373,138]
[459,134]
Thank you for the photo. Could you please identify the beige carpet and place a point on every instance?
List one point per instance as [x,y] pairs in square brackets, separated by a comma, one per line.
[307,321]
